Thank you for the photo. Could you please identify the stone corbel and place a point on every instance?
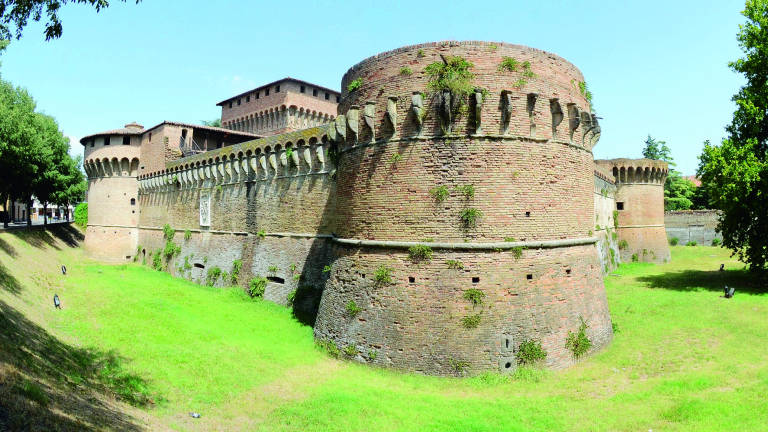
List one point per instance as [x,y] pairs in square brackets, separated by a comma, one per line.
[573,120]
[320,154]
[353,121]
[557,115]
[446,114]
[595,131]
[369,114]
[531,108]
[253,161]
[392,113]
[417,106]
[263,164]
[341,128]
[331,131]
[478,97]
[306,154]
[586,121]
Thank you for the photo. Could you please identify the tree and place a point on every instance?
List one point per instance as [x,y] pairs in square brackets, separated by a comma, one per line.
[735,172]
[657,150]
[678,192]
[212,123]
[14,15]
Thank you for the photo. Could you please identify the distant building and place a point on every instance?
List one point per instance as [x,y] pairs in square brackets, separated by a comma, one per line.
[18,211]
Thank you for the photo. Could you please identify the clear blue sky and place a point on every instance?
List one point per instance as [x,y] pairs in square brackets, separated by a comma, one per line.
[654,67]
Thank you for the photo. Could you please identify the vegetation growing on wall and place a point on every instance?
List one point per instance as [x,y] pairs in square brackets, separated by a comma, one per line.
[257,286]
[471,321]
[187,235]
[455,264]
[213,276]
[405,71]
[531,353]
[467,190]
[578,342]
[237,265]
[474,295]
[453,75]
[355,84]
[383,275]
[353,309]
[470,216]
[439,193]
[420,252]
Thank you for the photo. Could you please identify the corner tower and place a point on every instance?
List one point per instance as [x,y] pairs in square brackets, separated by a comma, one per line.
[111,161]
[464,223]
[640,208]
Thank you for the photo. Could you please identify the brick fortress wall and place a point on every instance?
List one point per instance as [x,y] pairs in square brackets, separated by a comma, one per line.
[640,208]
[270,204]
[531,166]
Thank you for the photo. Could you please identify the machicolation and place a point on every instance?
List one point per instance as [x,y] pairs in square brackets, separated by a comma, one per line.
[430,223]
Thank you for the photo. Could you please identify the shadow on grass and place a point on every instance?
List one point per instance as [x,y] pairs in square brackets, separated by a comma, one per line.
[8,249]
[694,280]
[8,282]
[41,237]
[42,377]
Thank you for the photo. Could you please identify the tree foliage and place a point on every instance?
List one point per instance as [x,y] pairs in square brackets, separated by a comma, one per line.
[212,123]
[735,172]
[15,14]
[678,191]
[34,158]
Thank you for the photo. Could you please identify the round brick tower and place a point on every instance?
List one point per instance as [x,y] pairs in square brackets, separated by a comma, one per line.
[640,208]
[111,161]
[463,224]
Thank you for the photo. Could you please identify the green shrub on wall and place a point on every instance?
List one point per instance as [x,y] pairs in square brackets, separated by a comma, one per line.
[578,343]
[257,286]
[383,275]
[81,215]
[420,252]
[531,353]
[674,241]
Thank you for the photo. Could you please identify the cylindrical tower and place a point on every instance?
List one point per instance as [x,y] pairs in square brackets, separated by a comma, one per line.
[111,161]
[640,208]
[465,209]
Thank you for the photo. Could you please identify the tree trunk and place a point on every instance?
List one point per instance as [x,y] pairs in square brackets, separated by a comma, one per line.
[45,213]
[29,216]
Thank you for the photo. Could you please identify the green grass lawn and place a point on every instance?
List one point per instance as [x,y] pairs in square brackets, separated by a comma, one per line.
[683,359]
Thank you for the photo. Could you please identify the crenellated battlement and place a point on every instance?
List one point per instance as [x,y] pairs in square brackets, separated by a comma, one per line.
[291,154]
[537,95]
[628,171]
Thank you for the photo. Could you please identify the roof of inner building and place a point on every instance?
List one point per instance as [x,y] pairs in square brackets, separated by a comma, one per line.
[335,92]
[205,128]
[122,131]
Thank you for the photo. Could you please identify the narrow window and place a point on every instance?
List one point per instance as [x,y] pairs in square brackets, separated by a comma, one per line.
[150,136]
[302,89]
[327,96]
[247,98]
[133,201]
[527,214]
[257,95]
[314,92]
[266,92]
[338,99]
[93,142]
[106,141]
[184,133]
[238,102]
[230,104]
[277,89]
[126,140]
[619,205]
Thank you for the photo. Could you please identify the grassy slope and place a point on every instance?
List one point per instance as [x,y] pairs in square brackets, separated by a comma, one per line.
[684,359]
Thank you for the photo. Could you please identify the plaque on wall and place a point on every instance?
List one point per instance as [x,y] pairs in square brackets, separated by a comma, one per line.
[205,208]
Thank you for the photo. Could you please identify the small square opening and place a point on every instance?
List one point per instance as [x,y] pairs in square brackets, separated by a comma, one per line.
[527,214]
[411,279]
[529,276]
[619,205]
[475,280]
[567,271]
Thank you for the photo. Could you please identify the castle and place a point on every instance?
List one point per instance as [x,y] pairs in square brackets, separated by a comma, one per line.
[422,231]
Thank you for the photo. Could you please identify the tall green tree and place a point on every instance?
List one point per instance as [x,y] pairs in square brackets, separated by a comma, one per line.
[678,192]
[212,123]
[735,172]
[14,15]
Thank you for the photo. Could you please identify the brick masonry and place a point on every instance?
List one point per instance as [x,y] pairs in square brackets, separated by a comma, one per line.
[353,195]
